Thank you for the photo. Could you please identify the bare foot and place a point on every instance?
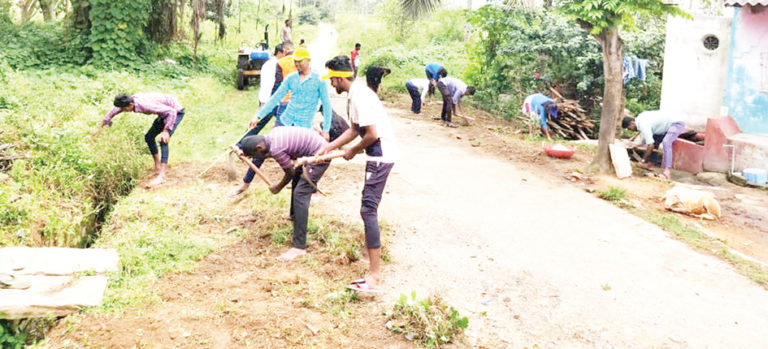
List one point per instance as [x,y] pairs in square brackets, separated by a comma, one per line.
[155,182]
[240,189]
[291,254]
[667,173]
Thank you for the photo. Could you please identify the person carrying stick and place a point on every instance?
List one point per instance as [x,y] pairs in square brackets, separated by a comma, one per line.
[285,144]
[370,122]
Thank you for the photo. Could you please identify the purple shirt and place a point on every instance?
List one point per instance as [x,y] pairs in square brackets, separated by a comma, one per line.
[165,106]
[288,143]
[456,86]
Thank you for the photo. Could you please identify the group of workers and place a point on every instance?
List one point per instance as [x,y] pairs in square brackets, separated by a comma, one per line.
[290,92]
[292,99]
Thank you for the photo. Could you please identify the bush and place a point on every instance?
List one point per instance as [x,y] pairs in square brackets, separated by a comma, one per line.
[514,44]
[429,321]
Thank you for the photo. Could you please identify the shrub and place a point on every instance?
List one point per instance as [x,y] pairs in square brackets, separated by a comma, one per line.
[429,321]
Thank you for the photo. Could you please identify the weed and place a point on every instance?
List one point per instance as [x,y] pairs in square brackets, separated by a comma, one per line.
[429,321]
[613,194]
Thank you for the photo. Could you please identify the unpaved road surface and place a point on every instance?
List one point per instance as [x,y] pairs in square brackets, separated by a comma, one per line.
[535,262]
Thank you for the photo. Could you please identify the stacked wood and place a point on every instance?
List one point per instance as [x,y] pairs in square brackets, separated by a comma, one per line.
[573,121]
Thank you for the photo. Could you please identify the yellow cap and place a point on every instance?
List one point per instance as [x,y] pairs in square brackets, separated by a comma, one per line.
[300,54]
[337,74]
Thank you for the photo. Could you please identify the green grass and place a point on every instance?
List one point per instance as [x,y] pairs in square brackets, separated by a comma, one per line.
[428,321]
[612,194]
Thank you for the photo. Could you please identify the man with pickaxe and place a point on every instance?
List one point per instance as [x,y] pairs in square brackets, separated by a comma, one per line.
[369,121]
[285,144]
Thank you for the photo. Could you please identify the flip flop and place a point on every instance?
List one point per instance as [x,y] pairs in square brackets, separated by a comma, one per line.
[358,281]
[363,287]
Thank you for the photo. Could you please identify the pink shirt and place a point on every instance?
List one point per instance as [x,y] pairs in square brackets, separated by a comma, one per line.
[165,106]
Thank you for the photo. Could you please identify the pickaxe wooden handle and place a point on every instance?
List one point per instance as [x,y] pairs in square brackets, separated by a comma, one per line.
[253,167]
[317,159]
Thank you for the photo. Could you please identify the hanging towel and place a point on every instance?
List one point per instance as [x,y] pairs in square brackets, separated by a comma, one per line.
[629,69]
[641,65]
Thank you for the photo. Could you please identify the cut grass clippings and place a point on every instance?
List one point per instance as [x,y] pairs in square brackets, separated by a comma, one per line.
[429,321]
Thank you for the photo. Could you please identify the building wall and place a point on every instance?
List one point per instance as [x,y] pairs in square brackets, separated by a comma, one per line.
[746,96]
[694,76]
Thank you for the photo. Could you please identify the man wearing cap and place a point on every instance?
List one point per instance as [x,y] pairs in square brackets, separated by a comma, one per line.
[538,106]
[307,89]
[369,121]
[285,144]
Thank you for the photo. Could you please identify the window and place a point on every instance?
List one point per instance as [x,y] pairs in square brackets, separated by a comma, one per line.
[711,42]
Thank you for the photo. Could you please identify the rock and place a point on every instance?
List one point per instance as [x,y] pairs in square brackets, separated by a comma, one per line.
[712,178]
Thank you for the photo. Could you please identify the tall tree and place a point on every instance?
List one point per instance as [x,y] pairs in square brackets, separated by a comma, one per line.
[80,15]
[49,9]
[198,15]
[162,20]
[28,9]
[603,19]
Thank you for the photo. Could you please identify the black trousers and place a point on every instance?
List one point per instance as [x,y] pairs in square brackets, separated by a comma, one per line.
[447,101]
[301,193]
[415,97]
[376,174]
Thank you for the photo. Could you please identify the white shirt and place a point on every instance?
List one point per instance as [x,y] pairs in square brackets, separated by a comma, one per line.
[268,70]
[422,85]
[365,109]
[652,122]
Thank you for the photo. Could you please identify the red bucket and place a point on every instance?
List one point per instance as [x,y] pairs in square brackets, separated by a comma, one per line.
[559,151]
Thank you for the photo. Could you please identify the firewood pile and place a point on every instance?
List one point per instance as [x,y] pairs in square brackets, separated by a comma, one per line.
[573,121]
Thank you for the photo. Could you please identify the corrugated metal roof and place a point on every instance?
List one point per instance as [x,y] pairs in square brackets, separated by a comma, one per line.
[746,2]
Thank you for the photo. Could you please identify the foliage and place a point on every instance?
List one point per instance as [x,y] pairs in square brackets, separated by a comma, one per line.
[439,38]
[429,321]
[117,31]
[42,45]
[596,16]
[613,194]
[514,45]
[19,334]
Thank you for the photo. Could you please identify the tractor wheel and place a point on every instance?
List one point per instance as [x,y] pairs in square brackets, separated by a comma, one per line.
[241,80]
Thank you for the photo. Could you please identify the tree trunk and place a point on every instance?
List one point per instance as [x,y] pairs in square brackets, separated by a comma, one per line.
[49,9]
[28,10]
[198,14]
[81,14]
[180,28]
[612,97]
[221,6]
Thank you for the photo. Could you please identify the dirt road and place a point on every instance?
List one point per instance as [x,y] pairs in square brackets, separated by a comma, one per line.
[535,262]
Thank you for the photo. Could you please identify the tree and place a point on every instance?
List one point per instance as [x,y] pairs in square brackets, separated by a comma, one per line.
[603,20]
[198,15]
[49,9]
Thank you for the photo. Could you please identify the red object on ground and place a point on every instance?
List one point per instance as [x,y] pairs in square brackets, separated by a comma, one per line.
[688,156]
[559,153]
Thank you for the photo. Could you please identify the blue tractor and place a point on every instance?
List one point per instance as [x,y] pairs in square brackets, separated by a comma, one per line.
[250,60]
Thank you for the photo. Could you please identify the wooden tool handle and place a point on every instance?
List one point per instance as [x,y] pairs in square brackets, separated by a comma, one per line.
[253,167]
[317,159]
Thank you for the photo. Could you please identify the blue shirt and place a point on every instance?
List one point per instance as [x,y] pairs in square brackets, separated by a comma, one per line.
[433,69]
[537,104]
[303,105]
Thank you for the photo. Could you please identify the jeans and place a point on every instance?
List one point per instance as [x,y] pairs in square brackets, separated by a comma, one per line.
[415,97]
[157,127]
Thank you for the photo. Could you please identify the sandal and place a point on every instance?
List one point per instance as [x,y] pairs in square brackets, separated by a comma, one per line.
[363,287]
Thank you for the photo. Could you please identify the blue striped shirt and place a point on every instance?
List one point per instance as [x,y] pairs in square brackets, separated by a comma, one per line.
[303,105]
[290,142]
